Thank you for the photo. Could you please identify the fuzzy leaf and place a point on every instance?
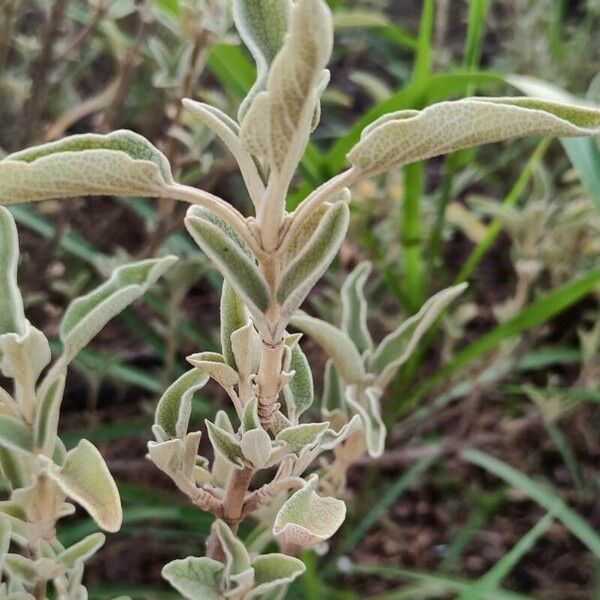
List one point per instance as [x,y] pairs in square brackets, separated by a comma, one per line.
[122,163]
[299,393]
[331,439]
[262,25]
[85,478]
[409,136]
[256,447]
[333,395]
[82,550]
[12,316]
[273,572]
[245,343]
[15,435]
[167,456]
[87,315]
[354,307]
[232,261]
[5,530]
[237,557]
[396,348]
[221,468]
[277,124]
[175,406]
[226,445]
[300,276]
[337,345]
[195,578]
[368,408]
[21,568]
[214,365]
[302,437]
[45,426]
[250,418]
[233,317]
[306,519]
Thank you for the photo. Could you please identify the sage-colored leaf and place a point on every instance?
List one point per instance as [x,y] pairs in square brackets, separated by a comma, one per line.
[167,456]
[273,572]
[12,315]
[233,317]
[86,479]
[354,307]
[277,124]
[221,468]
[301,438]
[12,468]
[300,276]
[246,343]
[333,394]
[256,447]
[237,267]
[213,364]
[368,408]
[5,530]
[262,25]
[21,568]
[15,435]
[195,578]
[175,406]
[299,393]
[237,557]
[409,136]
[337,345]
[87,315]
[306,519]
[331,439]
[121,163]
[396,348]
[226,445]
[82,550]
[45,426]
[250,418]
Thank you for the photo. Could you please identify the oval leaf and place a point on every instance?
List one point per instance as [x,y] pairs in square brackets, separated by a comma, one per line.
[299,393]
[274,572]
[195,578]
[12,316]
[233,317]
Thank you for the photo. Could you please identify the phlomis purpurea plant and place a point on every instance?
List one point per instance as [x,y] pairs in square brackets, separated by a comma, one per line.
[263,465]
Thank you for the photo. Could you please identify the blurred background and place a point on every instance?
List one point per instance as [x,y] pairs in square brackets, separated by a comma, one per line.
[494,422]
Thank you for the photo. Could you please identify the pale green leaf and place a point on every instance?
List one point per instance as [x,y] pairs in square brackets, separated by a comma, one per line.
[167,456]
[45,426]
[302,437]
[300,276]
[333,393]
[87,315]
[82,550]
[121,163]
[12,316]
[175,406]
[233,317]
[396,348]
[85,478]
[331,439]
[409,136]
[195,578]
[21,568]
[299,393]
[354,307]
[213,364]
[256,447]
[273,572]
[337,345]
[221,468]
[250,418]
[5,530]
[15,435]
[277,124]
[368,407]
[306,519]
[245,344]
[237,557]
[226,445]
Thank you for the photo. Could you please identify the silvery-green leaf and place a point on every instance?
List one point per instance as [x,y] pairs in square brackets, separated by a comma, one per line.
[337,345]
[82,550]
[233,317]
[396,348]
[245,344]
[45,426]
[332,438]
[21,568]
[214,364]
[333,394]
[87,315]
[191,444]
[302,437]
[175,406]
[167,456]
[15,435]
[409,136]
[232,261]
[262,25]
[122,163]
[306,519]
[301,274]
[12,316]
[85,478]
[279,422]
[299,237]
[5,529]
[195,578]
[299,393]
[277,124]
[368,407]
[256,447]
[226,445]
[273,572]
[221,467]
[237,557]
[250,418]
[354,307]
[12,468]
